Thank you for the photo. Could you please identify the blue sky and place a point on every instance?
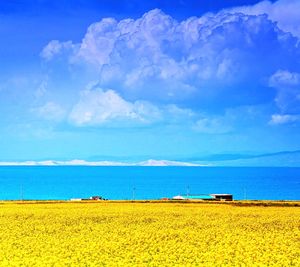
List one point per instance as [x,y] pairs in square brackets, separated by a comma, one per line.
[157,79]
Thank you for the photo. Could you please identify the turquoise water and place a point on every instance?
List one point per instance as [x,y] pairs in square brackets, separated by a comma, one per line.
[65,182]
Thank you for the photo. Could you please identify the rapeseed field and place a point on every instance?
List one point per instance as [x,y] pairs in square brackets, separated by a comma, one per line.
[148,234]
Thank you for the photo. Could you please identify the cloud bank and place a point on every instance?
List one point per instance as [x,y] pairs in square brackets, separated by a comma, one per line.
[201,67]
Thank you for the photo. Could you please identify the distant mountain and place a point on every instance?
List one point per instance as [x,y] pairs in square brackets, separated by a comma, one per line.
[152,162]
[77,162]
[284,158]
[233,156]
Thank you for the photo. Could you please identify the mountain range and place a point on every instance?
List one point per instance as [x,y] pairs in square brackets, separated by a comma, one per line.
[277,159]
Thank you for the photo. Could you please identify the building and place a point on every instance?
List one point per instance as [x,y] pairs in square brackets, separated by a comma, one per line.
[86,199]
[213,197]
[96,198]
[224,197]
[178,197]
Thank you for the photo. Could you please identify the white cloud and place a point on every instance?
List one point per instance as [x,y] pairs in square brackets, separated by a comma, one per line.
[97,107]
[54,47]
[285,12]
[99,41]
[158,58]
[164,70]
[283,119]
[283,78]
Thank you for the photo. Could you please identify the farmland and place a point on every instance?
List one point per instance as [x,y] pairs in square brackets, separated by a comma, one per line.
[148,234]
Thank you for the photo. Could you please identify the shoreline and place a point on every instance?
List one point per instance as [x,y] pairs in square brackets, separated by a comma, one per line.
[243,203]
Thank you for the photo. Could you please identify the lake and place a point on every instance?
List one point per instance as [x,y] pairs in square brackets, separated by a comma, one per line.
[65,182]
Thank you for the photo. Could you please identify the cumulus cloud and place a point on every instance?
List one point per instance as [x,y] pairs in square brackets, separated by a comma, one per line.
[195,61]
[99,42]
[162,69]
[97,107]
[54,48]
[285,12]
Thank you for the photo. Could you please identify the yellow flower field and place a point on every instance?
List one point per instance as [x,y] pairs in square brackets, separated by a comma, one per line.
[148,234]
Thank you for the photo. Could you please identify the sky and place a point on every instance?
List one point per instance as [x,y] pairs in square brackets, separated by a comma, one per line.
[157,79]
